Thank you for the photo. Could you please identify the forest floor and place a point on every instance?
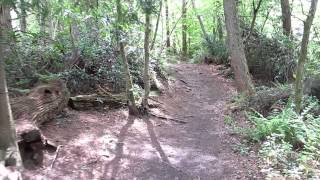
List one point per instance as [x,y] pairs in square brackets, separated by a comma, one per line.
[110,145]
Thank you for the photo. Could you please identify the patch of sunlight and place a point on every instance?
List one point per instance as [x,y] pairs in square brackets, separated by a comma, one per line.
[154,93]
[191,155]
[140,126]
[143,151]
[83,139]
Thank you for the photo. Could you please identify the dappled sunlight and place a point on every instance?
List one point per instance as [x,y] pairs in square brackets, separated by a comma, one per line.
[160,89]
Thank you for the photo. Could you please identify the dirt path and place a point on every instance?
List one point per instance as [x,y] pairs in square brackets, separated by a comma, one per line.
[112,146]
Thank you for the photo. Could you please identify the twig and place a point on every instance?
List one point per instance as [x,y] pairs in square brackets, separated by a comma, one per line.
[156,100]
[183,81]
[55,157]
[168,118]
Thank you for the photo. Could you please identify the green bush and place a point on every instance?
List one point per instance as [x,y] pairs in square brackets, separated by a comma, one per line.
[290,141]
[217,49]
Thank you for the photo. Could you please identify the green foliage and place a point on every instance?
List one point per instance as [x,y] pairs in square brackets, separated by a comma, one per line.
[228,120]
[290,141]
[149,6]
[243,149]
[313,65]
[217,49]
[199,56]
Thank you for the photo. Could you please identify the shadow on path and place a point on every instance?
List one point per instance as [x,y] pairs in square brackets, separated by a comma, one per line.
[114,164]
[154,141]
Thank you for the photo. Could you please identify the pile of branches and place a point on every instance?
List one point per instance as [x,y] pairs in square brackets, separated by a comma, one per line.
[268,59]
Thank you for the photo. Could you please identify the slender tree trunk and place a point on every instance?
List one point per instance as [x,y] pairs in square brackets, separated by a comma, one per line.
[266,19]
[303,56]
[184,30]
[286,17]
[23,16]
[174,43]
[255,13]
[167,24]
[203,29]
[157,26]
[220,30]
[146,62]
[238,58]
[42,23]
[129,87]
[74,39]
[8,142]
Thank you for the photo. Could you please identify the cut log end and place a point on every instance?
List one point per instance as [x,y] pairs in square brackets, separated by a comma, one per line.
[42,104]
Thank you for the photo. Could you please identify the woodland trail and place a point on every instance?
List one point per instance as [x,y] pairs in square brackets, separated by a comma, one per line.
[112,146]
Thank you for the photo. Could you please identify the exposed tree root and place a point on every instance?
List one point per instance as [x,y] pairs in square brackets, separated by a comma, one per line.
[167,118]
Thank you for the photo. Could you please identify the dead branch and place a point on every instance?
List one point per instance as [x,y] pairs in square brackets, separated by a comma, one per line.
[55,157]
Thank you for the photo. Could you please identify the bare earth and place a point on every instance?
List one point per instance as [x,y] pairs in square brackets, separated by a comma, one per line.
[111,145]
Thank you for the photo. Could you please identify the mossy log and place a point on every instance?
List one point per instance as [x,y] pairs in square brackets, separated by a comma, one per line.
[264,99]
[42,104]
[94,100]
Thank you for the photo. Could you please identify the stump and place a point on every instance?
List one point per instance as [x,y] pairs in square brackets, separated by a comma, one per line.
[41,105]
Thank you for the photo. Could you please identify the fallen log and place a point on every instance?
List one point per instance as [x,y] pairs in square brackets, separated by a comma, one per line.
[263,100]
[156,113]
[93,100]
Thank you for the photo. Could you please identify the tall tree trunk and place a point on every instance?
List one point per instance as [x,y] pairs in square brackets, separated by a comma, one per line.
[23,16]
[184,30]
[74,39]
[42,23]
[167,23]
[220,30]
[203,29]
[129,87]
[286,17]
[238,58]
[255,13]
[157,27]
[146,77]
[303,56]
[8,142]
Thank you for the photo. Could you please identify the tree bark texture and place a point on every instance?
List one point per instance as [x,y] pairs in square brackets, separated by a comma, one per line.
[23,16]
[184,30]
[255,14]
[303,56]
[74,39]
[238,58]
[8,144]
[157,27]
[167,24]
[286,17]
[42,103]
[129,87]
[146,77]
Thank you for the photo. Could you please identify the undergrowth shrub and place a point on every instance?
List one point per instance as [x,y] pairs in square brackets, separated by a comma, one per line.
[313,65]
[217,49]
[40,60]
[290,141]
[199,56]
